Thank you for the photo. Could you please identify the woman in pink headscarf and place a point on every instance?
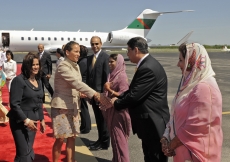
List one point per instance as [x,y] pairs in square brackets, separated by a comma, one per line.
[118,122]
[194,131]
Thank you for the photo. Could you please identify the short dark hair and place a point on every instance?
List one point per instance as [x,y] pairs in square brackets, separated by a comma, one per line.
[28,63]
[69,46]
[83,51]
[59,50]
[11,54]
[95,37]
[140,43]
[114,56]
[183,49]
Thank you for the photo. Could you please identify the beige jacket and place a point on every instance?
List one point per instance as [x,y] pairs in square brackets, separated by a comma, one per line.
[67,85]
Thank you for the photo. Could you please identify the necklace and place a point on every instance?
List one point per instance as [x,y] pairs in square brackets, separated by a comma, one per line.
[32,79]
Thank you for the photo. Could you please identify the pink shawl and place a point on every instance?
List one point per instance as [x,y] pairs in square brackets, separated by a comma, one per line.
[196,112]
[119,80]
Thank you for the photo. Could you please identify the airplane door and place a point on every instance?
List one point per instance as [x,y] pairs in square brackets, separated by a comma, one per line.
[5,40]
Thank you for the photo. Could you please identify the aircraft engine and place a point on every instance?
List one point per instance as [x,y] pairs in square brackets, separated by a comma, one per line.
[119,37]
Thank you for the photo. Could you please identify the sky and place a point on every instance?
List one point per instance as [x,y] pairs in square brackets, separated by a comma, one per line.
[210,21]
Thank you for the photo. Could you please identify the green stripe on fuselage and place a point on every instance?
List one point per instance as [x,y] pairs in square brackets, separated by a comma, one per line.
[136,24]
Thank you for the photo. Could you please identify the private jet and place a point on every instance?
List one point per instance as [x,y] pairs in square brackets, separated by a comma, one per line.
[225,48]
[22,41]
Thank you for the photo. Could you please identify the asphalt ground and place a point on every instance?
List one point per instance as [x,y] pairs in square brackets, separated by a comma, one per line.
[221,66]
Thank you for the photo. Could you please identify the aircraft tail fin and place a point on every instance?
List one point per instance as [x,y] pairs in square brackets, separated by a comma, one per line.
[185,38]
[144,22]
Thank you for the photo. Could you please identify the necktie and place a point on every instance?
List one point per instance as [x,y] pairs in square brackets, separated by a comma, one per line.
[94,60]
[40,55]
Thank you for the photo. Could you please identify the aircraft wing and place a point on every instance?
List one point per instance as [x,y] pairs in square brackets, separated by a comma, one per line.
[185,38]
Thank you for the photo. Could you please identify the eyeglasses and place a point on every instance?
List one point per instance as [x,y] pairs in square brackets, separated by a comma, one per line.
[92,44]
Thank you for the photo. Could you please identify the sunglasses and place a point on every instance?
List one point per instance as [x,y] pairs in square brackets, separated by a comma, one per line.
[92,44]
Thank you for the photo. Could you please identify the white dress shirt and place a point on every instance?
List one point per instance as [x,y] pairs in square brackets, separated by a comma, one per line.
[142,60]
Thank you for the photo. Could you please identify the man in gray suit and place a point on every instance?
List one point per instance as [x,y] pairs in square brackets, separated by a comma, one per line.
[97,75]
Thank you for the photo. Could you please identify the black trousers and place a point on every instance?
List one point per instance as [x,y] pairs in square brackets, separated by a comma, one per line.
[85,117]
[151,145]
[24,140]
[103,133]
[45,82]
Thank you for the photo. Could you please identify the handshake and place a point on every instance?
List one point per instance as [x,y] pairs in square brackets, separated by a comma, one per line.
[104,101]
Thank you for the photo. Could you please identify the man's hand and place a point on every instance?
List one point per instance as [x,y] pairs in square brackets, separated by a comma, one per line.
[165,147]
[48,76]
[113,100]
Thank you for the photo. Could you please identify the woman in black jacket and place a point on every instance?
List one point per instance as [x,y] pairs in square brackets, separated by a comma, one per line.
[26,108]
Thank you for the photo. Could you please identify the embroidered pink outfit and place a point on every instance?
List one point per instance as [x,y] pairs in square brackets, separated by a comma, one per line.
[196,112]
[118,122]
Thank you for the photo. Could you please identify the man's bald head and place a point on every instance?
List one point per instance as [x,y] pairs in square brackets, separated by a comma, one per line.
[40,48]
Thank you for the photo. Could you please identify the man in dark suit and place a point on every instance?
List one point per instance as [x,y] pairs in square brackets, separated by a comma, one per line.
[97,75]
[146,100]
[46,67]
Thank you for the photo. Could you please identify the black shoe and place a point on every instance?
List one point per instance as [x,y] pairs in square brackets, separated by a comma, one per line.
[94,143]
[84,132]
[98,147]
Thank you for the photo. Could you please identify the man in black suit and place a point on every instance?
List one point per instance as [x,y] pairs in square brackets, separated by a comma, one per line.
[146,100]
[97,75]
[46,67]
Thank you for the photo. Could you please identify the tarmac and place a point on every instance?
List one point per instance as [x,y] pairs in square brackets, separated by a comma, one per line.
[221,66]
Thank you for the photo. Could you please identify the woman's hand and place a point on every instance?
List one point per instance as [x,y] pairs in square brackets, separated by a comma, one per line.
[42,126]
[82,95]
[107,86]
[31,125]
[175,143]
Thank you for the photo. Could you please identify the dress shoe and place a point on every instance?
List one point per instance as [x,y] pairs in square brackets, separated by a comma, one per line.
[94,143]
[98,147]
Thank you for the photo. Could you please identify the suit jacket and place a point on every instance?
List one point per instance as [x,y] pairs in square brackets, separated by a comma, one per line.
[25,100]
[83,68]
[67,85]
[46,64]
[97,76]
[147,96]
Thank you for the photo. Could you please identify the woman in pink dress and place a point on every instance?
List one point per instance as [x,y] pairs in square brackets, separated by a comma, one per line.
[118,122]
[194,131]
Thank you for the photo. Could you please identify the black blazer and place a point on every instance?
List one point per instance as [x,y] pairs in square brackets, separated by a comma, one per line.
[83,68]
[46,64]
[25,100]
[147,96]
[97,76]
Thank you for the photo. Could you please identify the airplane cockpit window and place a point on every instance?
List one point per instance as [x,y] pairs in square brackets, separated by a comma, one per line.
[55,38]
[86,39]
[36,38]
[68,39]
[49,38]
[22,38]
[28,38]
[80,39]
[43,38]
[74,39]
[62,39]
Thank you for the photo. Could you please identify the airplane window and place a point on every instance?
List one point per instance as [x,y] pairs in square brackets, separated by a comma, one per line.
[68,39]
[36,38]
[42,38]
[62,39]
[86,39]
[55,38]
[74,39]
[28,38]
[22,38]
[80,39]
[49,38]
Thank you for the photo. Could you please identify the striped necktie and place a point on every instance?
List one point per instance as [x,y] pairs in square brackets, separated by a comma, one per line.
[93,61]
